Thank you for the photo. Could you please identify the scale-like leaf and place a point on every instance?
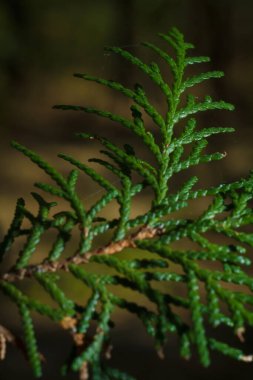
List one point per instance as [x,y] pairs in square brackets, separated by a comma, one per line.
[166,245]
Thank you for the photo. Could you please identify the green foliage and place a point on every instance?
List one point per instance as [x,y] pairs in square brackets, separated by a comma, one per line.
[155,232]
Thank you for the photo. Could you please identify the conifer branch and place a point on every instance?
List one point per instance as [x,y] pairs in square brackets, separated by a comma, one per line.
[228,215]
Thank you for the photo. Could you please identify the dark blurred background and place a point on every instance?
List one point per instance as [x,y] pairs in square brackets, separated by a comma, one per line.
[42,43]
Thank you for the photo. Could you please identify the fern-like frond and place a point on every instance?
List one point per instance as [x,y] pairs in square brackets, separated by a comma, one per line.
[219,235]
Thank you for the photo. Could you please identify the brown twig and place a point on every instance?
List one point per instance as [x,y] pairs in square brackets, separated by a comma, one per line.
[84,372]
[5,336]
[109,249]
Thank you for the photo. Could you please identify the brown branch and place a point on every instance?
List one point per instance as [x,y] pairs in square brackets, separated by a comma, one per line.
[109,249]
[84,372]
[6,336]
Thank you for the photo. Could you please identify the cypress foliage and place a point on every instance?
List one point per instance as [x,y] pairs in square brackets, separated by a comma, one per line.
[153,232]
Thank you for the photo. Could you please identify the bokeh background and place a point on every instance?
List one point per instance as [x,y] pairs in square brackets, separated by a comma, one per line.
[42,42]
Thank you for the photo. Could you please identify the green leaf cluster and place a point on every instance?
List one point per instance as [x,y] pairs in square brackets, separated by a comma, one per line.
[213,266]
